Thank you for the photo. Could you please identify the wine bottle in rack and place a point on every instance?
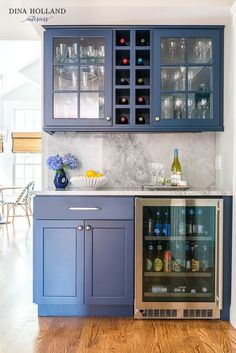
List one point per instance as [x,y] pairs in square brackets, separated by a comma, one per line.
[123,119]
[140,119]
[140,81]
[141,100]
[124,61]
[123,100]
[140,61]
[123,81]
[122,41]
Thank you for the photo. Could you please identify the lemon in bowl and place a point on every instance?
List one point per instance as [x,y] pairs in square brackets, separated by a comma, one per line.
[90,181]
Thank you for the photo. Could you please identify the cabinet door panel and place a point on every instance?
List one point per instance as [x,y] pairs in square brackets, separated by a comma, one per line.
[58,262]
[77,73]
[109,263]
[187,71]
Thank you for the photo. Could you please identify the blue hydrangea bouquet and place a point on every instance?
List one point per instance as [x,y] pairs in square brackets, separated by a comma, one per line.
[59,164]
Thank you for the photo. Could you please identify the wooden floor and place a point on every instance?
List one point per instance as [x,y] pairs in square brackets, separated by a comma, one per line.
[22,332]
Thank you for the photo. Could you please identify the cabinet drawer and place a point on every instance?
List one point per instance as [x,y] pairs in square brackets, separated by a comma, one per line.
[83,207]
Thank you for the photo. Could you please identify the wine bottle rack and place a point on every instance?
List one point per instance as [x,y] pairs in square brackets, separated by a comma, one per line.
[131,77]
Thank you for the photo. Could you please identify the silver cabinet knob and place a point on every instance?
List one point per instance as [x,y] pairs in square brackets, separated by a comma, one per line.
[108,118]
[80,227]
[88,228]
[157,118]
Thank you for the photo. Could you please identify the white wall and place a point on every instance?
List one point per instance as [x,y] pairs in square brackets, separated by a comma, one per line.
[224,141]
[233,95]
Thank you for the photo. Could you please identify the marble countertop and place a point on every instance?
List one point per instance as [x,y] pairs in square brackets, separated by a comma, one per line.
[131,192]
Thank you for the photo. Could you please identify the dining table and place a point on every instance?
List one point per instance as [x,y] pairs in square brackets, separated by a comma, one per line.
[3,188]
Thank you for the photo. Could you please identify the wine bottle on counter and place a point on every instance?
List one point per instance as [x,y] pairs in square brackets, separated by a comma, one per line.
[122,41]
[124,61]
[176,170]
[123,81]
[140,61]
[123,100]
[123,120]
[141,100]
[140,119]
[140,81]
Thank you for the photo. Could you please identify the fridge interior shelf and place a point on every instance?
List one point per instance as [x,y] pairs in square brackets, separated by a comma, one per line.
[178,295]
[177,274]
[184,238]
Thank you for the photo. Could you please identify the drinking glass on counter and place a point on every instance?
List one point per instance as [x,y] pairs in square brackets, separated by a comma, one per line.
[156,169]
[178,107]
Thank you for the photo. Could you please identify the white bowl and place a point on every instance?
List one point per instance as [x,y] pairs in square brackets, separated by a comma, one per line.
[84,182]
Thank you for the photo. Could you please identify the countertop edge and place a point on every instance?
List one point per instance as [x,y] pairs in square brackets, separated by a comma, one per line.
[74,192]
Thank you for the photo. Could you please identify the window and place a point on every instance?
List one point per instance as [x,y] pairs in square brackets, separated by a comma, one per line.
[27,120]
[27,166]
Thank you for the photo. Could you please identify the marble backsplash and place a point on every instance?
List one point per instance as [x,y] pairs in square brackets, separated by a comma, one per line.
[124,157]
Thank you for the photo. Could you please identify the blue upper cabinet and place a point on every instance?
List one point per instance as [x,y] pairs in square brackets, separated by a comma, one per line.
[187,79]
[133,78]
[77,79]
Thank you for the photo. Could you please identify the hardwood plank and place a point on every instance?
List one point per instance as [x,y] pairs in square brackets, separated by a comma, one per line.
[21,331]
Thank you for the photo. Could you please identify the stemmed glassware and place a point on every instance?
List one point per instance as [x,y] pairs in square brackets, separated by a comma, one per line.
[203,105]
[166,107]
[178,107]
[176,78]
[164,78]
[172,48]
[190,78]
[191,106]
[156,169]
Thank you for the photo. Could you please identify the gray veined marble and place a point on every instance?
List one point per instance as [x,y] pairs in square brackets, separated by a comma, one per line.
[124,157]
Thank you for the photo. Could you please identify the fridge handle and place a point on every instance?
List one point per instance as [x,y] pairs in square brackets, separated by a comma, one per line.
[220,254]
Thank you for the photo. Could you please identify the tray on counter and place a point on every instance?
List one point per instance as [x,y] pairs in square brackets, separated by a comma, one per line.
[165,187]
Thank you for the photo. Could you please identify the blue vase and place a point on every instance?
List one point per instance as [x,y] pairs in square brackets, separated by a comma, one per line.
[60,180]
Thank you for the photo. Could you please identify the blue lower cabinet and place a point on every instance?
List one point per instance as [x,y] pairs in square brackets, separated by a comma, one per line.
[58,262]
[83,268]
[109,262]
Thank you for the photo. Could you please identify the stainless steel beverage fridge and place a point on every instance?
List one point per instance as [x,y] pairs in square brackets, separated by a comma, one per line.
[179,258]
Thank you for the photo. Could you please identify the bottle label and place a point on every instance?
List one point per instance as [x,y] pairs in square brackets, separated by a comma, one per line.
[195,265]
[175,178]
[205,264]
[177,265]
[148,264]
[167,265]
[200,228]
[157,264]
[166,230]
[158,229]
[188,265]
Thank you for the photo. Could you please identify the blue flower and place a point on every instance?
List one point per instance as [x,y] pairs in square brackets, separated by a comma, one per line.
[70,161]
[60,162]
[54,162]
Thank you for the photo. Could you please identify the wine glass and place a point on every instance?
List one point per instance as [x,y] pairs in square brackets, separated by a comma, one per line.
[172,48]
[156,169]
[203,105]
[190,78]
[166,107]
[164,78]
[178,107]
[176,78]
[191,106]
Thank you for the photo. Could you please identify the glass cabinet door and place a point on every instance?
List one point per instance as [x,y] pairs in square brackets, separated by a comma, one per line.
[179,251]
[81,75]
[186,78]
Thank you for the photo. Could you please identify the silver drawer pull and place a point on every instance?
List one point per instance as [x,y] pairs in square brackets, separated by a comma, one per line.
[84,208]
